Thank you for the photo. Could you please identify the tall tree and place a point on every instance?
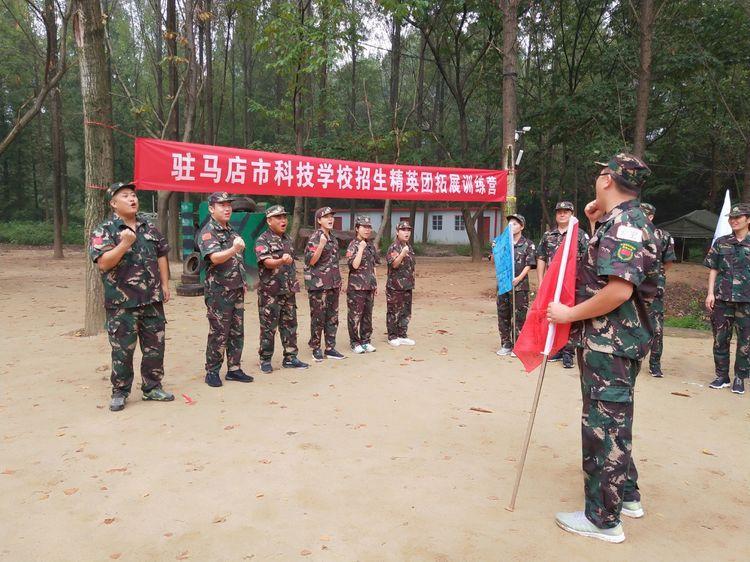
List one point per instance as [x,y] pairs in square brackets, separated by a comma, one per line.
[646,25]
[96,87]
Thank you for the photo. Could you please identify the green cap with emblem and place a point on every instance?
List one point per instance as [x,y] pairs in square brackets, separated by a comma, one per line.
[518,217]
[323,211]
[564,206]
[629,169]
[117,186]
[739,210]
[648,208]
[219,197]
[275,211]
[403,225]
[362,220]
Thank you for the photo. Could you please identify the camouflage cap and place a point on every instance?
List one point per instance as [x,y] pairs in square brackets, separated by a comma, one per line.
[564,206]
[403,225]
[739,210]
[518,217]
[117,186]
[323,211]
[219,197]
[362,220]
[629,169]
[275,211]
[648,208]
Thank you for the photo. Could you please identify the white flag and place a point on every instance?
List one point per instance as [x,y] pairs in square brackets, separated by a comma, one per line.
[722,227]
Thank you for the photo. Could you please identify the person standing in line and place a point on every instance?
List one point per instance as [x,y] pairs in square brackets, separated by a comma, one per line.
[524,260]
[221,247]
[666,255]
[399,287]
[323,281]
[728,299]
[362,286]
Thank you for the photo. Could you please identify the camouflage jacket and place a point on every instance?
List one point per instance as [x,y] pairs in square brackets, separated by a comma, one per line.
[665,253]
[402,277]
[552,240]
[325,274]
[524,253]
[362,279]
[228,275]
[623,246]
[135,280]
[731,258]
[283,279]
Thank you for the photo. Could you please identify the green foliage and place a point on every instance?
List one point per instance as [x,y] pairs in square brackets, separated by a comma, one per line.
[692,321]
[35,233]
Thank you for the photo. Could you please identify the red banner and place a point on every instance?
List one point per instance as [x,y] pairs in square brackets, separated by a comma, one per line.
[179,166]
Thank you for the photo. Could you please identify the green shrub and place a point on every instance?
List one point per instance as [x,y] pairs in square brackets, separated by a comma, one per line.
[692,321]
[463,250]
[37,233]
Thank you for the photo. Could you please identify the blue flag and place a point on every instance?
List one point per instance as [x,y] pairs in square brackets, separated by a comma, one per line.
[502,253]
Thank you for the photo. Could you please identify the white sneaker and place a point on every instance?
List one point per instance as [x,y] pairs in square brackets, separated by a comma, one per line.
[577,523]
[504,351]
[395,342]
[512,354]
[368,347]
[632,509]
[407,341]
[358,349]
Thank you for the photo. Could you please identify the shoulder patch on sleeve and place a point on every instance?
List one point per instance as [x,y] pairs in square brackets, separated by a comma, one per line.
[626,251]
[97,240]
[206,236]
[629,233]
[259,248]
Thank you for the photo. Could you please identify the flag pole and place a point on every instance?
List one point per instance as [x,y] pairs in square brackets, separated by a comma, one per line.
[551,329]
[513,315]
[527,438]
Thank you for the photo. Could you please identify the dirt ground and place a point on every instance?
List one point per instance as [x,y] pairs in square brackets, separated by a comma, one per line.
[378,457]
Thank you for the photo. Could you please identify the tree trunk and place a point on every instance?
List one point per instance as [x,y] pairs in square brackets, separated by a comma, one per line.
[96,90]
[247,86]
[471,231]
[56,131]
[746,182]
[510,61]
[323,79]
[385,224]
[644,77]
[208,85]
[298,122]
[351,118]
[172,130]
[425,222]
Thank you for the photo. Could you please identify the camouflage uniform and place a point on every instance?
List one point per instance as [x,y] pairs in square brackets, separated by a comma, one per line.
[548,246]
[612,349]
[731,258]
[524,254]
[360,293]
[224,296]
[323,283]
[277,305]
[398,291]
[133,300]
[665,254]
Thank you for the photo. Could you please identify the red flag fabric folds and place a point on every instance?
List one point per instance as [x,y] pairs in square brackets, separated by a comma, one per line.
[538,334]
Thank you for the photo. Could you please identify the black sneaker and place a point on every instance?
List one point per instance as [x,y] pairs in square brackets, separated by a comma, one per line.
[265,367]
[567,362]
[239,376]
[556,357]
[318,355]
[333,354]
[655,372]
[739,386]
[720,382]
[213,379]
[293,363]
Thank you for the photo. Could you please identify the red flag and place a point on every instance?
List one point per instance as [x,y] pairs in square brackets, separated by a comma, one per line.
[538,337]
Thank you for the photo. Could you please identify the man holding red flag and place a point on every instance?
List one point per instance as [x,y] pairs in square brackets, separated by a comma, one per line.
[615,285]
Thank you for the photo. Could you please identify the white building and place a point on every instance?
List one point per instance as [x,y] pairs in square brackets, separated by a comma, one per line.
[445,225]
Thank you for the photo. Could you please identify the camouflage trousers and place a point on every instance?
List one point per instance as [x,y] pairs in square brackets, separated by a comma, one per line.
[146,325]
[610,476]
[657,323]
[398,312]
[277,312]
[504,312]
[359,316]
[725,316]
[324,317]
[225,311]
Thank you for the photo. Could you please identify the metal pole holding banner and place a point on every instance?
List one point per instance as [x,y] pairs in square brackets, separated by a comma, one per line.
[551,330]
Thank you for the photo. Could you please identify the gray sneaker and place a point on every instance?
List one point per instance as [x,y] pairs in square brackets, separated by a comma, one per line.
[117,403]
[632,509]
[577,523]
[158,394]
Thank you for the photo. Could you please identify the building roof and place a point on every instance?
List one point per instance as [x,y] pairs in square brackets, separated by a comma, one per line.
[696,224]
